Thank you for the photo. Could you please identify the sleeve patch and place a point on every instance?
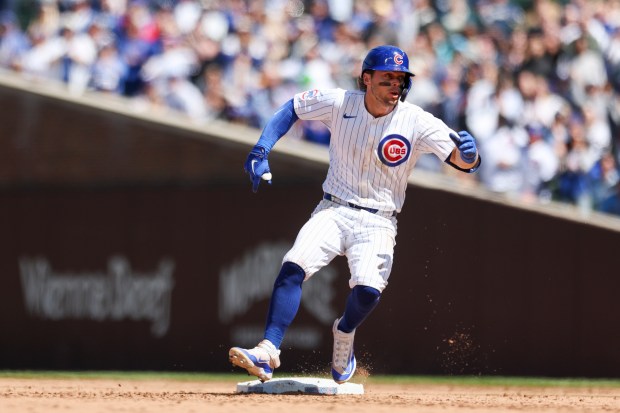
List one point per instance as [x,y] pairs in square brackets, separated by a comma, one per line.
[309,94]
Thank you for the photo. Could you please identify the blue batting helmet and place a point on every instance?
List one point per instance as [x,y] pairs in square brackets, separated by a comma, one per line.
[389,59]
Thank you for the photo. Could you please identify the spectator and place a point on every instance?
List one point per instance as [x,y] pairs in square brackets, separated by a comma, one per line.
[605,178]
[137,41]
[482,106]
[80,55]
[108,71]
[574,185]
[541,165]
[587,69]
[546,104]
[184,96]
[13,42]
[324,24]
[42,59]
[504,156]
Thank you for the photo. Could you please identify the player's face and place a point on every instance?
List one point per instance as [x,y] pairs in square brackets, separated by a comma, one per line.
[385,87]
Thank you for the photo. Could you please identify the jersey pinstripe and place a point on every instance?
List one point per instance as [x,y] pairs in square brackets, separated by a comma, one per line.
[372,158]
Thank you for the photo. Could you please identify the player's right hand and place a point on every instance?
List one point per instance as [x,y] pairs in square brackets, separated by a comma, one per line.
[257,166]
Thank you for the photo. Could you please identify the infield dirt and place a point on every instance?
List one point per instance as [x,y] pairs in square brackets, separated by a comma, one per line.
[158,396]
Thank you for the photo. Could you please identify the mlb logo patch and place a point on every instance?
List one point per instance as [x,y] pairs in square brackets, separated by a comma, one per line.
[309,94]
[394,150]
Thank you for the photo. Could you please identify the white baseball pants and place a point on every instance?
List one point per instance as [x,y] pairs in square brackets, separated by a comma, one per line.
[366,239]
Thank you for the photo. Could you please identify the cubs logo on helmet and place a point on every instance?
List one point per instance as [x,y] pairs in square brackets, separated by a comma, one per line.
[398,58]
[394,150]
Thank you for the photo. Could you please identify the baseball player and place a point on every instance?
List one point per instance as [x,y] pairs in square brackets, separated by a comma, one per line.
[376,138]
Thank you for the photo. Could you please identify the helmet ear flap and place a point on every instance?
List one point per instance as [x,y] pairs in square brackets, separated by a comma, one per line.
[405,89]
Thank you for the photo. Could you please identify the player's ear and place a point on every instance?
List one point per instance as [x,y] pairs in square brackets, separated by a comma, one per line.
[366,78]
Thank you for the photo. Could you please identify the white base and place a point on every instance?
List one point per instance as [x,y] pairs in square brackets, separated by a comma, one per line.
[299,385]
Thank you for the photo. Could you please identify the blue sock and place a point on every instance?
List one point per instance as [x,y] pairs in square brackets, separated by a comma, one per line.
[285,301]
[361,302]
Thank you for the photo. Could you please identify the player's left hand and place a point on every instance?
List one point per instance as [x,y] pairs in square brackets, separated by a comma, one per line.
[257,166]
[466,144]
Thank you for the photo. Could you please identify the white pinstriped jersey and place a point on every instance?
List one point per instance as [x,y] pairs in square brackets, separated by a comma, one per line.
[372,158]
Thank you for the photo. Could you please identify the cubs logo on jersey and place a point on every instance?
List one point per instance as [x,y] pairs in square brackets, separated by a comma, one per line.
[394,150]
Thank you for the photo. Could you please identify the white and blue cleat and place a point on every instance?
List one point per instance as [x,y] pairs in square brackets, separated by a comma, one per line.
[343,359]
[260,361]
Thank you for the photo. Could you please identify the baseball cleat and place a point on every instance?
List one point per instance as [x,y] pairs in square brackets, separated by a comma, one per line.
[259,361]
[343,359]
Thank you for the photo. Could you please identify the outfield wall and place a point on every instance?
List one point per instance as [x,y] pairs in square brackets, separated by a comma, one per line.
[132,240]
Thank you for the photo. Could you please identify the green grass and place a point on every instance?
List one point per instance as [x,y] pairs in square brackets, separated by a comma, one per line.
[421,380]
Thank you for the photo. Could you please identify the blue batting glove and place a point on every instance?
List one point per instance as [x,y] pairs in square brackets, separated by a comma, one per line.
[466,144]
[257,166]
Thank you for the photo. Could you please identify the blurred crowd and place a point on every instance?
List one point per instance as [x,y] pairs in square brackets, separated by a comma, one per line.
[535,81]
